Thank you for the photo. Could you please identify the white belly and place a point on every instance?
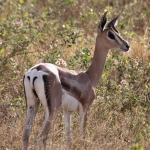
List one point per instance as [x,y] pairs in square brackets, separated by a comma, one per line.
[69,103]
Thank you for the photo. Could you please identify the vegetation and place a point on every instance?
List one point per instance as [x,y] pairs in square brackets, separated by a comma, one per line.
[63,32]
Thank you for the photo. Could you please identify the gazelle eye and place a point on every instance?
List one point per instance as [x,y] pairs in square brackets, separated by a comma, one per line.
[111,36]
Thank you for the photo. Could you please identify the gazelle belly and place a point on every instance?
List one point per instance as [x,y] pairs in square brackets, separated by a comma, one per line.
[69,103]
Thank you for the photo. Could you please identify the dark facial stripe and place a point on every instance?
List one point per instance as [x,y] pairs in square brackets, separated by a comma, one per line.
[33,87]
[117,34]
[110,35]
[115,29]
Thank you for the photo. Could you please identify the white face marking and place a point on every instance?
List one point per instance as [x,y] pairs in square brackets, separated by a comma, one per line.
[123,43]
[118,39]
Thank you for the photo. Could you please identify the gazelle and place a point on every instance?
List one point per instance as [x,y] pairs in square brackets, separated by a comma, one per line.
[56,87]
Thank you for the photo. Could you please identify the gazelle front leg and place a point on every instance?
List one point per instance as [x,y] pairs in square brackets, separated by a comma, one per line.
[67,121]
[83,119]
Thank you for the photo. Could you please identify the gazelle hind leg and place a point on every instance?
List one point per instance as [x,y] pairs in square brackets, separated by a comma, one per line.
[67,121]
[51,100]
[44,130]
[47,122]
[32,108]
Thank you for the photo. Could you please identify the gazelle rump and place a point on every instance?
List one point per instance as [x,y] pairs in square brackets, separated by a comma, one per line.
[58,88]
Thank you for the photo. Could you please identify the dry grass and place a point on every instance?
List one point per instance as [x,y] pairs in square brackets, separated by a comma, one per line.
[139,51]
[100,136]
[140,48]
[103,131]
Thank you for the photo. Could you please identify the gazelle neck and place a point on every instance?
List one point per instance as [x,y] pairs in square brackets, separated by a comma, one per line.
[98,62]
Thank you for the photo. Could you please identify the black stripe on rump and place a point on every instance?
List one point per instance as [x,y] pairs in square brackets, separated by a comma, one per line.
[28,77]
[34,92]
[49,81]
[33,87]
[53,92]
[33,81]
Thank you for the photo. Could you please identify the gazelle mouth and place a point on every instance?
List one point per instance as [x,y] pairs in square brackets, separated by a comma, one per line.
[125,50]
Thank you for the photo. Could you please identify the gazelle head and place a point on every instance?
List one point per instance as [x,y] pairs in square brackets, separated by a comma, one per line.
[110,36]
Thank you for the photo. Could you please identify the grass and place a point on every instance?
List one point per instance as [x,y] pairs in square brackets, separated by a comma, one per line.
[49,31]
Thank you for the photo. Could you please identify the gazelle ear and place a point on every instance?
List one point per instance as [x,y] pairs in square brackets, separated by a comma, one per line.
[114,22]
[102,23]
